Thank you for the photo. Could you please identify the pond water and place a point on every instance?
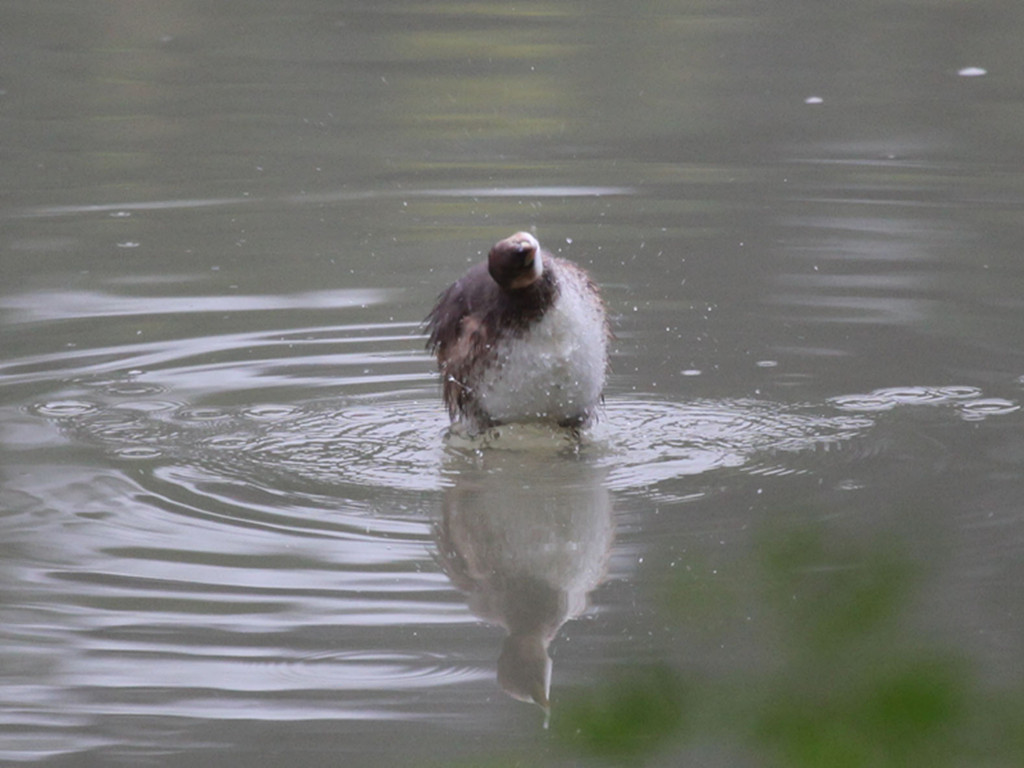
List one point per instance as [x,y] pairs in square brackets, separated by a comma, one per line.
[232,528]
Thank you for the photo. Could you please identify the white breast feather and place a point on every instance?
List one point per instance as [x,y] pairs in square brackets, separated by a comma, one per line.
[556,371]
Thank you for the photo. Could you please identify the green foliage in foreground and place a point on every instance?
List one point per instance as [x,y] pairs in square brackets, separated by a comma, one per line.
[635,713]
[848,681]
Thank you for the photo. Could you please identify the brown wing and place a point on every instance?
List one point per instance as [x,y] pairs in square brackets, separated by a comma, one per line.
[459,338]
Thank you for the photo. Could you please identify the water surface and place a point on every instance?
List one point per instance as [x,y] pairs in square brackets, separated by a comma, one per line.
[233,530]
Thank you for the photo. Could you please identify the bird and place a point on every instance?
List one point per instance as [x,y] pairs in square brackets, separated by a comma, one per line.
[521,338]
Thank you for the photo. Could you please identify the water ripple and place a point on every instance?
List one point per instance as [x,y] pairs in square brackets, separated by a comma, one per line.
[397,441]
[209,405]
[656,441]
[247,514]
[969,402]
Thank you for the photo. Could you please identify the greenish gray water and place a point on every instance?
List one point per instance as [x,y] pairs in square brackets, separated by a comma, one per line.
[231,531]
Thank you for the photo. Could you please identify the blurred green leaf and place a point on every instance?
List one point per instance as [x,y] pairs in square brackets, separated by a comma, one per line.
[846,680]
[903,713]
[629,716]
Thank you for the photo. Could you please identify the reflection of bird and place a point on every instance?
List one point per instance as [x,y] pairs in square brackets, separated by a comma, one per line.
[521,337]
[526,537]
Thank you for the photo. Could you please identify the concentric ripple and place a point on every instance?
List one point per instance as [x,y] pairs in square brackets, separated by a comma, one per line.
[356,405]
[395,438]
[399,441]
[656,441]
[395,442]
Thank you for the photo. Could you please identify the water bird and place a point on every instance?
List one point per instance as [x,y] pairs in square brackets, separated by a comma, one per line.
[521,338]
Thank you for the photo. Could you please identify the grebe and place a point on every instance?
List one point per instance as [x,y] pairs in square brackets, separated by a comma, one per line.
[522,337]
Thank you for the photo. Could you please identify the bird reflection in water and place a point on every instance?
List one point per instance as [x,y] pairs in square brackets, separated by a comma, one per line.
[526,535]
